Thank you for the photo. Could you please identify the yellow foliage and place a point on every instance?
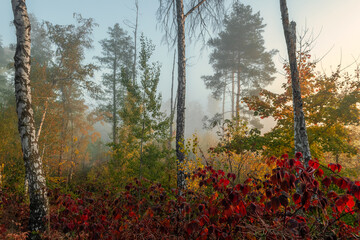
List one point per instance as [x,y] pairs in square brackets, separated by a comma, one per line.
[246,165]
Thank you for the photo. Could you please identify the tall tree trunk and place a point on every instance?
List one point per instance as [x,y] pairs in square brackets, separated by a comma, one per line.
[172,102]
[114,103]
[232,94]
[180,121]
[33,163]
[135,40]
[64,127]
[238,98]
[300,134]
[223,105]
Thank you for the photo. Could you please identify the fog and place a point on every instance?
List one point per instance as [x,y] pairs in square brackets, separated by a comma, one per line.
[330,22]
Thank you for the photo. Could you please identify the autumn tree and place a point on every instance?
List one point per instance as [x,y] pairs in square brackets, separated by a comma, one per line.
[70,76]
[117,52]
[330,104]
[11,159]
[239,52]
[33,164]
[196,15]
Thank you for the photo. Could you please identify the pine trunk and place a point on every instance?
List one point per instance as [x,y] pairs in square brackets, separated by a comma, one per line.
[300,134]
[238,98]
[180,120]
[114,103]
[33,163]
[223,106]
[135,41]
[232,94]
[172,103]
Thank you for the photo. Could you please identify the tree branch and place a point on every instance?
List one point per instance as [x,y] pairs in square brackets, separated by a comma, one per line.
[42,120]
[193,8]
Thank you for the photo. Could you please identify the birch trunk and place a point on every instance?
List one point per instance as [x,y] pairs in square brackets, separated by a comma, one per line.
[33,163]
[180,120]
[300,134]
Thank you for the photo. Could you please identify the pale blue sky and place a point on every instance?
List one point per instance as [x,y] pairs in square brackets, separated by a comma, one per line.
[337,21]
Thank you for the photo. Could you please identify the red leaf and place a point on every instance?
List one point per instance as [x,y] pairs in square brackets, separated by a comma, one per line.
[292,180]
[204,219]
[118,216]
[300,219]
[326,182]
[350,202]
[241,208]
[221,172]
[298,163]
[228,212]
[298,155]
[334,167]
[341,203]
[247,180]
[314,164]
[297,198]
[338,167]
[341,183]
[84,217]
[224,182]
[319,172]
[245,189]
[189,228]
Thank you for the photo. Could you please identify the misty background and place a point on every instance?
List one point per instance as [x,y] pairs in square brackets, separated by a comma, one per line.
[329,21]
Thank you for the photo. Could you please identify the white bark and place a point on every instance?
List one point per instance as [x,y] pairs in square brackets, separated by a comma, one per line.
[33,164]
[180,120]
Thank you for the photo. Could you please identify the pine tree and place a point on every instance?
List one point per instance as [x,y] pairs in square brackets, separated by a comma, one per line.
[239,52]
[117,54]
[144,129]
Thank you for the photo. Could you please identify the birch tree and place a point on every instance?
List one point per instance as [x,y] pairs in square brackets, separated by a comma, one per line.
[300,134]
[33,163]
[173,14]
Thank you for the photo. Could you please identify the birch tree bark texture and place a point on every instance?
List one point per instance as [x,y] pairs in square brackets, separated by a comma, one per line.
[300,134]
[33,163]
[180,121]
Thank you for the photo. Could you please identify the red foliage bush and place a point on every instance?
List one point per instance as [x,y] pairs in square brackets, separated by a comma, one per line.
[291,203]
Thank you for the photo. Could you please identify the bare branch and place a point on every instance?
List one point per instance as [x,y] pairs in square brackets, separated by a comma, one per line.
[193,8]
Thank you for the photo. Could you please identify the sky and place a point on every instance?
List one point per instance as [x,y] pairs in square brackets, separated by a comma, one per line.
[335,22]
